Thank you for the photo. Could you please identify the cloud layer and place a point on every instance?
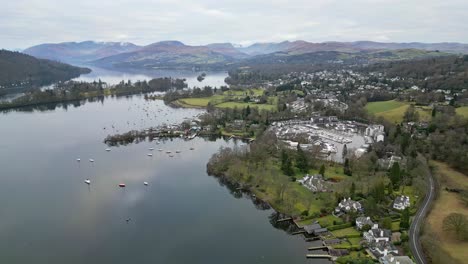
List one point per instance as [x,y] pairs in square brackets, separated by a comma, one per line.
[29,22]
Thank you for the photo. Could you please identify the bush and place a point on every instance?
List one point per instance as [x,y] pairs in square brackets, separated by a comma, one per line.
[342,226]
[305,213]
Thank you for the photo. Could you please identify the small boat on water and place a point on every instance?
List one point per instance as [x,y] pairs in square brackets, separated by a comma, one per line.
[78,159]
[171,156]
[151,149]
[145,183]
[150,155]
[177,151]
[91,160]
[108,149]
[168,152]
[87,181]
[160,149]
[121,185]
[191,148]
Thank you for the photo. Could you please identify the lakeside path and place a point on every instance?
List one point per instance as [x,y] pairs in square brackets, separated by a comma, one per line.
[415,244]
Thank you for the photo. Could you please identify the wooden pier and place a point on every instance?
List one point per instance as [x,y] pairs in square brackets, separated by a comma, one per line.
[298,232]
[319,256]
[319,247]
[284,219]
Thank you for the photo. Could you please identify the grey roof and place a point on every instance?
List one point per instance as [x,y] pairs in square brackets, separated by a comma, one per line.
[320,230]
[310,228]
[376,232]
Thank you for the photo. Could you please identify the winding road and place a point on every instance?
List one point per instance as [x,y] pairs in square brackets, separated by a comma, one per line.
[415,244]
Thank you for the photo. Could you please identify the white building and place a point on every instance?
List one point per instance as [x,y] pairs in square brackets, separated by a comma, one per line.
[401,202]
[376,234]
[362,221]
[347,205]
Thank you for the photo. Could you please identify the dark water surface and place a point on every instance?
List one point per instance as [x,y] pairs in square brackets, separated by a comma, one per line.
[49,215]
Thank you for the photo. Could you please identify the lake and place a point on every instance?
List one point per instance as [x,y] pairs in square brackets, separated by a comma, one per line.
[49,215]
[214,79]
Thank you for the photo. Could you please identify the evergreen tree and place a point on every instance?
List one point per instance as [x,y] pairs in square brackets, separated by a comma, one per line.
[395,174]
[345,151]
[405,217]
[322,170]
[286,164]
[352,190]
[347,168]
[301,160]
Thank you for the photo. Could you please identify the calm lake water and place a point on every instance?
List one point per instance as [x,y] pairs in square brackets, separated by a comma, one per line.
[114,76]
[49,215]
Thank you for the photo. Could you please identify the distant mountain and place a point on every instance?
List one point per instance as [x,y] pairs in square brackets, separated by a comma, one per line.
[227,49]
[79,52]
[301,47]
[175,54]
[172,54]
[18,69]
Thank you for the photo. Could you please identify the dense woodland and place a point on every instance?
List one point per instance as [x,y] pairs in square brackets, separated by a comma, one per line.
[72,90]
[17,68]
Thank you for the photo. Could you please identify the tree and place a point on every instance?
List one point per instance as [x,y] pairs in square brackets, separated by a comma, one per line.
[395,174]
[386,223]
[322,170]
[347,168]
[286,164]
[405,217]
[352,190]
[301,160]
[345,151]
[458,224]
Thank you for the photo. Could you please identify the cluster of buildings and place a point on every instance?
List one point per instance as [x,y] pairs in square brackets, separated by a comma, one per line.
[315,183]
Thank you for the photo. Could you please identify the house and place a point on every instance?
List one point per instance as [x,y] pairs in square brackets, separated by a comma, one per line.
[311,228]
[320,231]
[315,183]
[401,202]
[347,205]
[362,221]
[330,242]
[391,259]
[379,137]
[376,234]
[372,130]
[382,248]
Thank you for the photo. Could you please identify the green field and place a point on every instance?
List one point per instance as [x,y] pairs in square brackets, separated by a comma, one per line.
[394,111]
[229,99]
[463,111]
[349,231]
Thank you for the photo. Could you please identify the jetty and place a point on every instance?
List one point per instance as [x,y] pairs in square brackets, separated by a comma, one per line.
[319,256]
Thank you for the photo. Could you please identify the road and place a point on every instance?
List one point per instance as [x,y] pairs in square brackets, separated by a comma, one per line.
[415,244]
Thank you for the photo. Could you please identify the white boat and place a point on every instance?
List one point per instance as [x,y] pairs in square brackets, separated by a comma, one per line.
[171,156]
[108,149]
[78,159]
[168,152]
[145,183]
[149,154]
[91,160]
[151,149]
[87,181]
[160,149]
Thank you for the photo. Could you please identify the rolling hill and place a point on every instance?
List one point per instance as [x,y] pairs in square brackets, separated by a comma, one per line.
[79,52]
[17,69]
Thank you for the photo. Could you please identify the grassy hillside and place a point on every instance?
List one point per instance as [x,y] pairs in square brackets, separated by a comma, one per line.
[446,203]
[394,111]
[463,111]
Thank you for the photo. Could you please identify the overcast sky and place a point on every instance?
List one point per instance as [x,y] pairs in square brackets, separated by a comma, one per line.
[24,23]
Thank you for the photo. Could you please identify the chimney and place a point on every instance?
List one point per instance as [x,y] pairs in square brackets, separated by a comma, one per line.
[368,218]
[385,252]
[381,233]
[392,259]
